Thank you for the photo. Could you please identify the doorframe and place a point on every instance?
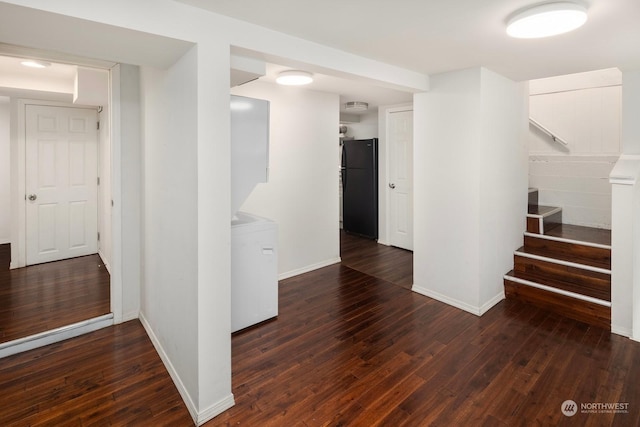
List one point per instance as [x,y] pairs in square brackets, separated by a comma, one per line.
[18,180]
[384,206]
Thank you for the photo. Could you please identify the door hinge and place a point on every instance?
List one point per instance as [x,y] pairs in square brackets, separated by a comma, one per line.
[98,236]
[98,125]
[98,180]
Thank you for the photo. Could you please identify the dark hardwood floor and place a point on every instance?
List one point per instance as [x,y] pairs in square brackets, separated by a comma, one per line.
[384,262]
[347,349]
[111,377]
[42,297]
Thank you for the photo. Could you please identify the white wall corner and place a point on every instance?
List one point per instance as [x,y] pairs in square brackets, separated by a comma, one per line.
[622,331]
[491,303]
[308,268]
[478,311]
[626,170]
[186,397]
[215,409]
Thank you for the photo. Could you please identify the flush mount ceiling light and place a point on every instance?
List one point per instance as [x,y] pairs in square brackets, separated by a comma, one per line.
[547,19]
[356,106]
[35,64]
[294,78]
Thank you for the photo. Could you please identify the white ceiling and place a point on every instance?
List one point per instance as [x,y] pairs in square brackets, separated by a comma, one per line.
[56,78]
[349,90]
[433,36]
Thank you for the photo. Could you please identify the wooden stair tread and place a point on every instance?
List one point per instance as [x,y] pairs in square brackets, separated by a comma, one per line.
[570,258]
[599,236]
[577,280]
[599,257]
[584,311]
[517,276]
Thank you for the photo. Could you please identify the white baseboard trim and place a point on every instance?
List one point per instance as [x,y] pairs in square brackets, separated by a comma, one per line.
[130,316]
[106,264]
[447,300]
[216,409]
[478,311]
[619,330]
[191,407]
[308,268]
[491,303]
[55,335]
[199,418]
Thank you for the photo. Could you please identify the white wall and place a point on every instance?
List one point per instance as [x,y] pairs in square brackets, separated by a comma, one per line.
[366,128]
[585,110]
[104,194]
[470,186]
[170,233]
[503,180]
[126,190]
[302,192]
[5,168]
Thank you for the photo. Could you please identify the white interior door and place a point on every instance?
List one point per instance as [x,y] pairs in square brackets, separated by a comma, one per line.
[61,183]
[400,186]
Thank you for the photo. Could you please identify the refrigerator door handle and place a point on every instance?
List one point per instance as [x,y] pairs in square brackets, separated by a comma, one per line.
[343,172]
[343,169]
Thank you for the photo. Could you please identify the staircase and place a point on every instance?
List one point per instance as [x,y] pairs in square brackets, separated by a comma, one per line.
[562,268]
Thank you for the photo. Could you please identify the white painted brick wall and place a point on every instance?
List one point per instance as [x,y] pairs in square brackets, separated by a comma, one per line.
[584,110]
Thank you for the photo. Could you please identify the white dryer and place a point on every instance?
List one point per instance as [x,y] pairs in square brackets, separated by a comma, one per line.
[254,270]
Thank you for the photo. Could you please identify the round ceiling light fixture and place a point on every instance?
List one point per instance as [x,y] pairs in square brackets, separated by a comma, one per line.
[32,63]
[356,106]
[294,78]
[547,19]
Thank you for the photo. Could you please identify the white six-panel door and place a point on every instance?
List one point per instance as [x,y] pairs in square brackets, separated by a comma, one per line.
[400,190]
[61,183]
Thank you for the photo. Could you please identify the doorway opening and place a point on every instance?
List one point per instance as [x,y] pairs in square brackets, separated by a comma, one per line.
[55,231]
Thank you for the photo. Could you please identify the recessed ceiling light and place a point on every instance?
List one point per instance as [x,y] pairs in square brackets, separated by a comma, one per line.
[35,64]
[547,19]
[294,78]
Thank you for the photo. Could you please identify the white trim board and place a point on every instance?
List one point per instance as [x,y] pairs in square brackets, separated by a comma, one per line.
[562,239]
[558,291]
[55,335]
[106,264]
[191,407]
[561,262]
[478,311]
[622,331]
[544,215]
[215,409]
[308,268]
[199,418]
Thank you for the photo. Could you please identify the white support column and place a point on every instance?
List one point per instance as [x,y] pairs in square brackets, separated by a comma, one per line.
[623,179]
[625,212]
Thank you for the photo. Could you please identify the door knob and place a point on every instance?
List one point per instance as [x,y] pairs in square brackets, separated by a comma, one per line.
[392,185]
[32,197]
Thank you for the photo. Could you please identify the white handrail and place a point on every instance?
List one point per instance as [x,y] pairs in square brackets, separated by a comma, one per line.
[555,138]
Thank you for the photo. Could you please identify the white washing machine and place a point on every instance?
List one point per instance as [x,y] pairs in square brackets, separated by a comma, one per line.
[254,270]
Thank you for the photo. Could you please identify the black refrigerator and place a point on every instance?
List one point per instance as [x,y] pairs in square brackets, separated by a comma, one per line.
[360,187]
